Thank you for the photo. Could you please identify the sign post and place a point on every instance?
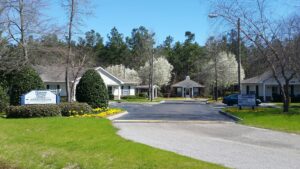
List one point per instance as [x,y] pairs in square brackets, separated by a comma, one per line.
[246,101]
[40,97]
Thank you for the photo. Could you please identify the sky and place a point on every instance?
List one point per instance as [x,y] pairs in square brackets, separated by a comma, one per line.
[164,17]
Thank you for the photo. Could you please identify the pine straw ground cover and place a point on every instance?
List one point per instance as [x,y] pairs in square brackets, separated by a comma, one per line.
[76,143]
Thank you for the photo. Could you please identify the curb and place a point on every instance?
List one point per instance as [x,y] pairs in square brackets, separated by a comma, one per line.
[170,121]
[235,118]
[117,115]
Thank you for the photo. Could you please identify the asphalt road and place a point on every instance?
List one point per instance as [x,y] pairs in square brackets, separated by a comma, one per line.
[228,144]
[198,131]
[171,111]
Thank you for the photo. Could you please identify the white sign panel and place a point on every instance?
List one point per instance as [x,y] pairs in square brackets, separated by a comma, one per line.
[246,100]
[39,97]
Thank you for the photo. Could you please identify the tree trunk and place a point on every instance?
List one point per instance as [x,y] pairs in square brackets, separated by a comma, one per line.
[22,30]
[69,51]
[286,97]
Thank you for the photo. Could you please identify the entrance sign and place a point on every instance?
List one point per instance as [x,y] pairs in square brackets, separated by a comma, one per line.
[246,100]
[40,97]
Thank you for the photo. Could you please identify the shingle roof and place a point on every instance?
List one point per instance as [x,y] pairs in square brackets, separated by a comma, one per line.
[57,73]
[259,79]
[267,77]
[187,83]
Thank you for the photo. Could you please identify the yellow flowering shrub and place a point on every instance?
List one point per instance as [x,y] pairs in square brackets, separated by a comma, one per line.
[101,112]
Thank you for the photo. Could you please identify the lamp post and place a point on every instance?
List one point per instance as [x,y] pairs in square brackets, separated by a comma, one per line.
[213,15]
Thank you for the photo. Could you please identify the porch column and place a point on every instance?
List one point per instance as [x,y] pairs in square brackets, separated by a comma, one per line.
[119,92]
[182,91]
[264,91]
[192,92]
[155,92]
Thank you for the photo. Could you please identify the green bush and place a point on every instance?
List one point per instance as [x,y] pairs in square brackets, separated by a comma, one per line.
[132,97]
[28,111]
[111,97]
[22,82]
[75,108]
[92,90]
[3,99]
[143,95]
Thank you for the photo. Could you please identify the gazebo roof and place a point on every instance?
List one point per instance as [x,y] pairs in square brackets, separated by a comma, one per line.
[187,83]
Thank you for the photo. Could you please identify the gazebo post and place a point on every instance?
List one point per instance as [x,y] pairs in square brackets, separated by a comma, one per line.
[192,92]
[182,91]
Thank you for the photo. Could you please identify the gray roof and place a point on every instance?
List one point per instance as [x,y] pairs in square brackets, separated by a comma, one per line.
[268,78]
[57,73]
[258,79]
[187,83]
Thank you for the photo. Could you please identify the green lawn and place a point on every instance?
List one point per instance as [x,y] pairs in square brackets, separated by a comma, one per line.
[80,143]
[270,118]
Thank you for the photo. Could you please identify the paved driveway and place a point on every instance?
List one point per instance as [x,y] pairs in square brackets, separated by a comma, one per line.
[208,136]
[228,144]
[171,111]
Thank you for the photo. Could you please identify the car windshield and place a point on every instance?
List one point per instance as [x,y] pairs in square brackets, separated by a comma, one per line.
[234,96]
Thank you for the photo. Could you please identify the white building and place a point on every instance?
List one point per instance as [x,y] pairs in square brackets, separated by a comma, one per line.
[187,88]
[266,87]
[54,79]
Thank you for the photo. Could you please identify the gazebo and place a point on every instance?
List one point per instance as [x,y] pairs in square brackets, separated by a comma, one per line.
[187,88]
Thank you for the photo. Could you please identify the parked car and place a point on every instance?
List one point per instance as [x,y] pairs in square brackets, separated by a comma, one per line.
[233,99]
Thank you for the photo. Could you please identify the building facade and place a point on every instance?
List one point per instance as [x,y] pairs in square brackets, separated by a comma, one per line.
[187,88]
[54,79]
[267,89]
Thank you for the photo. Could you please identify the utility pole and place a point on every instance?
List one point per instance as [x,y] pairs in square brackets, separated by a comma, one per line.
[216,77]
[239,54]
[214,15]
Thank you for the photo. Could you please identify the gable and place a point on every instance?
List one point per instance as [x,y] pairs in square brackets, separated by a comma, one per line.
[108,78]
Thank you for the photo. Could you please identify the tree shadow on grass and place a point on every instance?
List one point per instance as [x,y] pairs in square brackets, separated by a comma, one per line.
[4,165]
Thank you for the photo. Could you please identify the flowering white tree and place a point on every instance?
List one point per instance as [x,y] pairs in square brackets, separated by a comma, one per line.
[161,71]
[227,70]
[124,73]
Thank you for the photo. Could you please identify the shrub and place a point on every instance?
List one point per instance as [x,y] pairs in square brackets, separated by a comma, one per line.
[132,97]
[29,79]
[92,90]
[3,99]
[143,95]
[75,108]
[27,111]
[111,97]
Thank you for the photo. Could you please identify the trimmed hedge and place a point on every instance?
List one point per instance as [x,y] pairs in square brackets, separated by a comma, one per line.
[23,81]
[75,108]
[28,111]
[132,97]
[92,90]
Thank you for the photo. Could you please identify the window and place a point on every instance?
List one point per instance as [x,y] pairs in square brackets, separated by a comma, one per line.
[48,86]
[58,87]
[122,87]
[247,90]
[109,90]
[257,91]
[129,87]
[274,90]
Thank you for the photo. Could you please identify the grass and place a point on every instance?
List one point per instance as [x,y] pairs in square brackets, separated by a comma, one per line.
[270,118]
[292,105]
[80,143]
